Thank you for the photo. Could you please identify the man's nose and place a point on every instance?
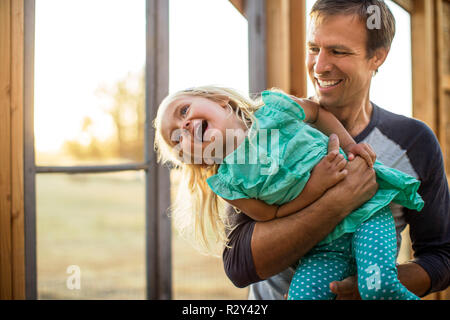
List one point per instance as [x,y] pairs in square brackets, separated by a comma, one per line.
[187,124]
[322,63]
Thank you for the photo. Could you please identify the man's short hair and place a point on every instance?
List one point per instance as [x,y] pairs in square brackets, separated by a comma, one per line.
[376,37]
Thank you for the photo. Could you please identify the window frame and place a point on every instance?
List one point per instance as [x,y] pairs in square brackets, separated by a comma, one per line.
[157,182]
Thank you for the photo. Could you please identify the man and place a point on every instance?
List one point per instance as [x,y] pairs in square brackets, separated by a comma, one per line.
[343,56]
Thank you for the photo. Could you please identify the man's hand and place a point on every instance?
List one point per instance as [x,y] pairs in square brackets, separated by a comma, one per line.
[346,289]
[363,150]
[357,188]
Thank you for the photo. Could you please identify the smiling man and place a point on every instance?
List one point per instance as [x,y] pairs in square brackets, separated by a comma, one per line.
[344,53]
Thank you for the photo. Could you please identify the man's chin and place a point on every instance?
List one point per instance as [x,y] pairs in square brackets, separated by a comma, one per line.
[326,102]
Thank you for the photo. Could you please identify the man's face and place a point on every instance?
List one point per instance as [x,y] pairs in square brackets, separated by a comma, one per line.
[337,60]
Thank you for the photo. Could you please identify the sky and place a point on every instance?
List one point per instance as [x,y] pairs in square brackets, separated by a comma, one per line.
[82,45]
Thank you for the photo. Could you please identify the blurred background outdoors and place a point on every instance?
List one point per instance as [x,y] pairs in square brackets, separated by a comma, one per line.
[89,109]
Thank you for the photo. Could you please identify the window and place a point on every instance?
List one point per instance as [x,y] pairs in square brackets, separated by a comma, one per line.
[95,198]
[208,45]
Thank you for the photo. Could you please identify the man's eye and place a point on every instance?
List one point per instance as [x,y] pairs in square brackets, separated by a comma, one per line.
[314,50]
[339,52]
[184,110]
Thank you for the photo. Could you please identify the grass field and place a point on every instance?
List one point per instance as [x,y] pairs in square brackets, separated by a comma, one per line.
[97,223]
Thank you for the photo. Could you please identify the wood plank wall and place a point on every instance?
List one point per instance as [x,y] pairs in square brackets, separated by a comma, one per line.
[12,257]
[285,37]
[431,96]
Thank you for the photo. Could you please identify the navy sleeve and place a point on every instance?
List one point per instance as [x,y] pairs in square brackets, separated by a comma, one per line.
[237,257]
[430,229]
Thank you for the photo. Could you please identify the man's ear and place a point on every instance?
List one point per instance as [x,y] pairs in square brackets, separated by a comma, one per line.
[379,58]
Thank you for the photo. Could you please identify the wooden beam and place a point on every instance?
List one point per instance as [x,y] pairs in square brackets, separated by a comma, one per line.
[278,44]
[424,63]
[239,5]
[5,154]
[441,55]
[297,41]
[17,145]
[408,5]
[256,16]
[446,83]
[277,35]
[12,251]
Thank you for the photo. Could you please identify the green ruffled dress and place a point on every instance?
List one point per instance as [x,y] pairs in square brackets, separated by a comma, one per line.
[274,163]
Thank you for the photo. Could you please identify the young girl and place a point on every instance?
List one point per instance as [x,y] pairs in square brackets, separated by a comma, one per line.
[258,156]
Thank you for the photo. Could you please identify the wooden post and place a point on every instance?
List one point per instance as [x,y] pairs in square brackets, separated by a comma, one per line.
[424,63]
[17,146]
[277,54]
[443,75]
[5,154]
[12,252]
[286,36]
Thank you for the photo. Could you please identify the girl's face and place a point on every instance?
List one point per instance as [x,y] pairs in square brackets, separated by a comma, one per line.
[198,127]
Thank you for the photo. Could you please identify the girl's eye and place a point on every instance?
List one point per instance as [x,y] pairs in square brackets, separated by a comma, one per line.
[184,110]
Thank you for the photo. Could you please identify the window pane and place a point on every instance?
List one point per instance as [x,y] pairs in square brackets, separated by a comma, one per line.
[89,81]
[95,223]
[198,276]
[208,45]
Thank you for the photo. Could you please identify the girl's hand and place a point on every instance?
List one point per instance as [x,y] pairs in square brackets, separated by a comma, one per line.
[363,150]
[328,172]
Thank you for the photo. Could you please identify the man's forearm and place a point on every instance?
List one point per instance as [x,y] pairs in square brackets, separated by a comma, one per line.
[414,278]
[279,243]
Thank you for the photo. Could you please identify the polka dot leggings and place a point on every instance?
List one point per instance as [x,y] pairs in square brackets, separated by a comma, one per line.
[370,253]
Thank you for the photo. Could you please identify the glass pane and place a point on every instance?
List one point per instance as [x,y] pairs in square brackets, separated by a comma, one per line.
[198,276]
[89,76]
[208,45]
[392,87]
[91,228]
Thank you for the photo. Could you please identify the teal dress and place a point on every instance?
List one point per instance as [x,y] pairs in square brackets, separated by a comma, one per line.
[275,161]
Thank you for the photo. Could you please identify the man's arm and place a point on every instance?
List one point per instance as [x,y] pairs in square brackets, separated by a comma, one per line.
[430,229]
[261,250]
[279,243]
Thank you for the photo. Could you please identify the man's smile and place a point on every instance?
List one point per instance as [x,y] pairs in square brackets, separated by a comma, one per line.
[327,85]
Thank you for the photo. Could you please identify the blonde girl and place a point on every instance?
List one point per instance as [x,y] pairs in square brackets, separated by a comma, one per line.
[257,156]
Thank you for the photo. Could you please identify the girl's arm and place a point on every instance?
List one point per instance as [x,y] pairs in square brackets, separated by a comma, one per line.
[260,211]
[333,167]
[327,123]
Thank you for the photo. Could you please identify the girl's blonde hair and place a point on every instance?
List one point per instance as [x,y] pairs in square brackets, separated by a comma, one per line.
[197,211]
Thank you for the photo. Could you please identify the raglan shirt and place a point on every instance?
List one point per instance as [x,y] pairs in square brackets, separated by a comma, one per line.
[402,143]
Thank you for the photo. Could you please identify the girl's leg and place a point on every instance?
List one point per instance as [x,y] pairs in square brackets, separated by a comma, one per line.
[375,247]
[321,266]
